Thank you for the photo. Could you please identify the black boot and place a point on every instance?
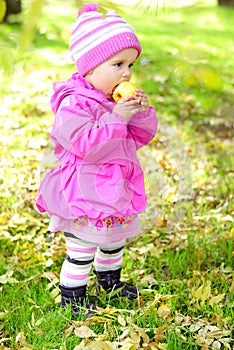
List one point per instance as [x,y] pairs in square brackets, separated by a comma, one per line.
[76,298]
[110,282]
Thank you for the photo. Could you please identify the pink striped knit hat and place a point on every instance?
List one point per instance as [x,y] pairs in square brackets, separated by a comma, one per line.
[96,37]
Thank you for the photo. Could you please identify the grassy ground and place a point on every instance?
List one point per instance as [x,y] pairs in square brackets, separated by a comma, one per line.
[184,259]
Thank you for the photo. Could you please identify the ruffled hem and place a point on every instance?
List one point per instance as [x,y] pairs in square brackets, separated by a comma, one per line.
[97,234]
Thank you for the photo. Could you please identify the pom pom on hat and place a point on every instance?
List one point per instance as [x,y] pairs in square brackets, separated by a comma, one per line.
[87,8]
[96,37]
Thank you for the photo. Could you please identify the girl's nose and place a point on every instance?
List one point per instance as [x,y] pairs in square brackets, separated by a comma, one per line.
[127,73]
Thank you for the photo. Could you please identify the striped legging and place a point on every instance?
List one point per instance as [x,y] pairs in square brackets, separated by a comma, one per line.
[80,256]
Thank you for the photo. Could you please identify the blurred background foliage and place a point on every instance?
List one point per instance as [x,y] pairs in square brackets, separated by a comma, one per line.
[31,9]
[12,7]
[26,15]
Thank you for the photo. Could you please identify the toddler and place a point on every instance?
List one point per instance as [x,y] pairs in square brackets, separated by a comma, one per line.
[96,191]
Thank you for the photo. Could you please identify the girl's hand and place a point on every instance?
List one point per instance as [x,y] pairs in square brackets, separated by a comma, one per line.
[142,99]
[130,105]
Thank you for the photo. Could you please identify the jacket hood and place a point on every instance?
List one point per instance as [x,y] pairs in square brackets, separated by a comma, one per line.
[76,85]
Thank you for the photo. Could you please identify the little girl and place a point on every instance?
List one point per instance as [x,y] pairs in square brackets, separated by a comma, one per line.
[96,191]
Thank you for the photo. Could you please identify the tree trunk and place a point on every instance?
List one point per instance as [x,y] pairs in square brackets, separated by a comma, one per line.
[228,3]
[12,7]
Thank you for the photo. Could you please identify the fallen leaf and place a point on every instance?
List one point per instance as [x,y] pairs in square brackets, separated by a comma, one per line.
[218,333]
[127,344]
[3,315]
[81,346]
[99,345]
[159,333]
[51,276]
[206,292]
[20,339]
[121,321]
[124,334]
[216,345]
[55,293]
[68,331]
[162,346]
[216,299]
[6,278]
[164,311]
[84,332]
[142,333]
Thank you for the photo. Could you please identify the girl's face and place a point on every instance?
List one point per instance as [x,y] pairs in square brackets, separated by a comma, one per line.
[109,74]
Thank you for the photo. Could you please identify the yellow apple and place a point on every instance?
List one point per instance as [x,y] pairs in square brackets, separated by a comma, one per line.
[124,89]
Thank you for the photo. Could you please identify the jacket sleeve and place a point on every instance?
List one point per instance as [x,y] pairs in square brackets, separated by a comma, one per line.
[143,126]
[90,133]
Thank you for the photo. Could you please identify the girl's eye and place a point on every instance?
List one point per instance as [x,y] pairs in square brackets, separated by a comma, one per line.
[119,64]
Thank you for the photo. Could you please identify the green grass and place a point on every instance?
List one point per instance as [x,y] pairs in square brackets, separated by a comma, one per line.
[184,257]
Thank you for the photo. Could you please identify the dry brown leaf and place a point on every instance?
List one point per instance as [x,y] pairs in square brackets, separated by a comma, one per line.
[232,287]
[7,278]
[159,333]
[84,332]
[218,333]
[216,345]
[99,345]
[164,311]
[68,331]
[127,344]
[20,339]
[142,333]
[124,334]
[162,346]
[81,346]
[121,321]
[51,276]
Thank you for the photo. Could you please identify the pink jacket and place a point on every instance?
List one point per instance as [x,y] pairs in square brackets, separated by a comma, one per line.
[98,173]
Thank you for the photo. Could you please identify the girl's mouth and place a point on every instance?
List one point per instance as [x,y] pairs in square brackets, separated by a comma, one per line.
[114,88]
